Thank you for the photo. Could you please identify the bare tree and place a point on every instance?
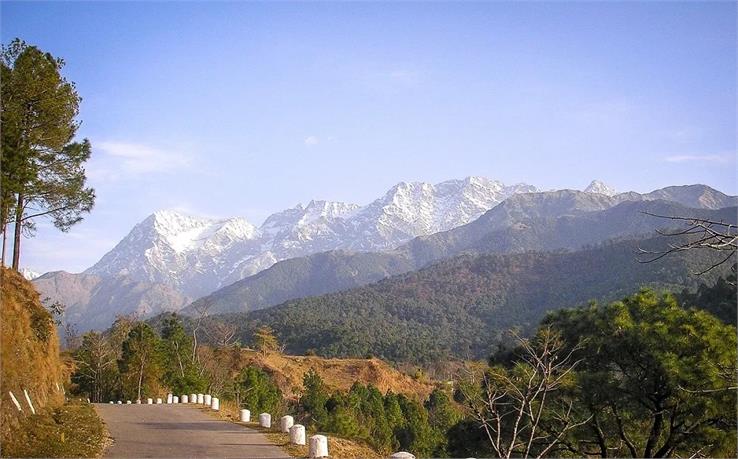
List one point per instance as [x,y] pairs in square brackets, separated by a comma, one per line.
[222,334]
[520,409]
[699,233]
[202,309]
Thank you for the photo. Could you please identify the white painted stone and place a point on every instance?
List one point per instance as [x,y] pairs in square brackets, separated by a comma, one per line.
[185,399]
[169,398]
[402,455]
[318,446]
[149,401]
[245,416]
[15,401]
[216,404]
[265,420]
[120,402]
[200,399]
[297,434]
[158,401]
[285,422]
[207,399]
[128,402]
[138,401]
[112,402]
[28,399]
[193,398]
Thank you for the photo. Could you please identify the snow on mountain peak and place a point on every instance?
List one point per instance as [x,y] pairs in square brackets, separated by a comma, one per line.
[29,274]
[599,187]
[198,255]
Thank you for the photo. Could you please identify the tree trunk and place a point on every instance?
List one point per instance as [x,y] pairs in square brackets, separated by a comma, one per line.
[17,235]
[5,241]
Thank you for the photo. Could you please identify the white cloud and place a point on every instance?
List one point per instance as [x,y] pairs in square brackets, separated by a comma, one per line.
[311,140]
[142,159]
[721,158]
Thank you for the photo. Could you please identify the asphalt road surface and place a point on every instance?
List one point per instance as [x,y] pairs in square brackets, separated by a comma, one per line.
[179,431]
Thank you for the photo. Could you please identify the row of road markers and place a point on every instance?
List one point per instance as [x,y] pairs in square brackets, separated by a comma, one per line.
[318,444]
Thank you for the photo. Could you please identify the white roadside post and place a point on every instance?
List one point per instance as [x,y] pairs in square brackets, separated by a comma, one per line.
[159,401]
[112,402]
[185,399]
[206,399]
[138,401]
[120,402]
[193,398]
[15,401]
[128,402]
[200,399]
[216,404]
[285,422]
[402,455]
[28,399]
[169,399]
[149,401]
[297,434]
[245,416]
[318,446]
[175,399]
[265,420]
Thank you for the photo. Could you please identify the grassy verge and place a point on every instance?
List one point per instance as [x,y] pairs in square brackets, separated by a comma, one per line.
[340,448]
[72,430]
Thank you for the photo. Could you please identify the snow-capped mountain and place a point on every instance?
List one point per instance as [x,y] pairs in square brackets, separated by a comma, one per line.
[179,250]
[600,188]
[29,274]
[198,255]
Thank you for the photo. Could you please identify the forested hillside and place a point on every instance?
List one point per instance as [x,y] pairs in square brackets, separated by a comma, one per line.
[461,307]
[525,222]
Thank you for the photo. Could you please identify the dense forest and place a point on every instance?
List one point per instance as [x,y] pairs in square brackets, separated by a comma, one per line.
[462,307]
[640,377]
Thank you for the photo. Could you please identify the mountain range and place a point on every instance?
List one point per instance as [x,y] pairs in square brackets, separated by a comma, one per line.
[463,306]
[183,257]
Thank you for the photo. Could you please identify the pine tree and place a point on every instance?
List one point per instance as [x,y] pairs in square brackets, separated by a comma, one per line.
[43,171]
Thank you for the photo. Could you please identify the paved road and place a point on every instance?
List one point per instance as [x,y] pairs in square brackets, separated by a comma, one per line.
[179,431]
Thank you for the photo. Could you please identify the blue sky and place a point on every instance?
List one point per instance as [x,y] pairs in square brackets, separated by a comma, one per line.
[226,109]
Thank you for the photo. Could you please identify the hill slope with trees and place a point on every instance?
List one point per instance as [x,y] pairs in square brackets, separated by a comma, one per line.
[461,307]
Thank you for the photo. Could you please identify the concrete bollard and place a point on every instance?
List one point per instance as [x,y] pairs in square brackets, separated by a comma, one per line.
[200,399]
[265,420]
[193,398]
[169,398]
[207,399]
[120,402]
[158,401]
[15,401]
[185,399]
[128,402]
[285,422]
[216,404]
[149,401]
[245,416]
[402,455]
[297,434]
[318,446]
[138,401]
[112,402]
[28,399]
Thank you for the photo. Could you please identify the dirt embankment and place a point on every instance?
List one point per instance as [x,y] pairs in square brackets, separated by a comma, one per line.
[29,352]
[341,374]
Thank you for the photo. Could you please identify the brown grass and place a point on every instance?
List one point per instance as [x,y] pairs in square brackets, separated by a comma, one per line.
[71,430]
[29,353]
[338,374]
